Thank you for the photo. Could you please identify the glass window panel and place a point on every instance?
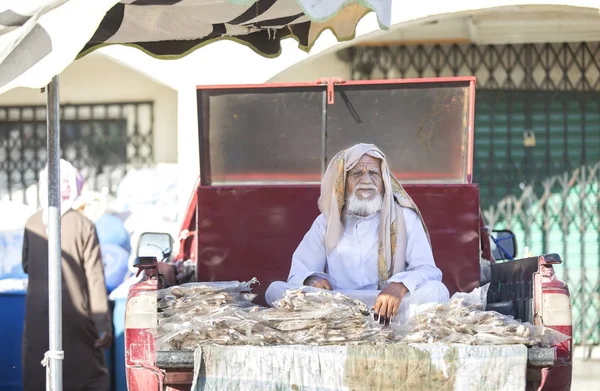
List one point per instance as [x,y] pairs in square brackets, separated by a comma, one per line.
[422,128]
[264,135]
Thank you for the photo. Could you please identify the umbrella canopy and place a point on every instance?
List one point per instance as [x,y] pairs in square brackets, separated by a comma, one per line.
[40,38]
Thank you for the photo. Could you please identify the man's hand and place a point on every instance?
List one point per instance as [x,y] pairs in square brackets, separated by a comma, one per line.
[318,282]
[104,341]
[388,301]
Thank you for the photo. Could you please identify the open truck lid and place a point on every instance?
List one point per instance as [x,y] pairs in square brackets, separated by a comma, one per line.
[287,133]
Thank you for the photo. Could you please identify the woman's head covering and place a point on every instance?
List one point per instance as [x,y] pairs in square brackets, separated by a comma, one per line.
[392,230]
[92,204]
[71,185]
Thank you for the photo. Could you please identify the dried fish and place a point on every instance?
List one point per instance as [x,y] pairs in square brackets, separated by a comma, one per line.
[194,314]
[223,313]
[462,321]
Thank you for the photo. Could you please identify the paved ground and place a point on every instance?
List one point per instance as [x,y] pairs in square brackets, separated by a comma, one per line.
[586,374]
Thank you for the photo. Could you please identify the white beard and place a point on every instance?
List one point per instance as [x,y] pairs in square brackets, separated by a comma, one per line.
[363,208]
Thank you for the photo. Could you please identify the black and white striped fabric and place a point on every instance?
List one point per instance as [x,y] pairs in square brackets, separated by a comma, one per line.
[40,38]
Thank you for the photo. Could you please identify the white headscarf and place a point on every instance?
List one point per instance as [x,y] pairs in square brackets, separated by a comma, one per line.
[392,229]
[71,185]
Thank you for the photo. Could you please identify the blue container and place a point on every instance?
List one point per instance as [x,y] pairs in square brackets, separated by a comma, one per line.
[119,376]
[12,308]
[11,335]
[109,358]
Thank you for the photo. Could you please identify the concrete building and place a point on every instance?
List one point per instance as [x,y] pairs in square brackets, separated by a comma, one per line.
[113,117]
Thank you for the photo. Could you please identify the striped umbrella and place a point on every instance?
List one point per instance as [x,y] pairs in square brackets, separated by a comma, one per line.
[40,38]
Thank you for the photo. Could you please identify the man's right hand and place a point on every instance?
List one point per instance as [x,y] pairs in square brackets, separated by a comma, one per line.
[318,282]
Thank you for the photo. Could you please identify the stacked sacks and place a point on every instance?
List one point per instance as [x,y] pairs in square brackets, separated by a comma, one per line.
[114,239]
[12,225]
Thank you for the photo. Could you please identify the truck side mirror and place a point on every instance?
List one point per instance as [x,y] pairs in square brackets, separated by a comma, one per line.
[155,244]
[504,244]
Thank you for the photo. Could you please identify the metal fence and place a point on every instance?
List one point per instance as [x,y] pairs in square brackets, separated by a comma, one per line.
[102,140]
[560,214]
[537,145]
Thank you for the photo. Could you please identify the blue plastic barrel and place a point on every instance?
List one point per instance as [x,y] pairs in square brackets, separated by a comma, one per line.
[11,334]
[12,308]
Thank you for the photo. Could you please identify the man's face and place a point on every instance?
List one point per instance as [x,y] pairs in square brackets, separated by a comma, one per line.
[65,188]
[364,180]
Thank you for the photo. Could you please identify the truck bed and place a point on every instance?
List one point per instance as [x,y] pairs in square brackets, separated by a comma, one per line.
[382,367]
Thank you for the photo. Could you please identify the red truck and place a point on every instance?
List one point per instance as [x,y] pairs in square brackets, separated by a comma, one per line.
[263,149]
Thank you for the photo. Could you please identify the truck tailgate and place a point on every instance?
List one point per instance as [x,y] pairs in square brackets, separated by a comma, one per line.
[415,366]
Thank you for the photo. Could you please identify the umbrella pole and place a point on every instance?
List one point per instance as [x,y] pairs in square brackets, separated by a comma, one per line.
[54,356]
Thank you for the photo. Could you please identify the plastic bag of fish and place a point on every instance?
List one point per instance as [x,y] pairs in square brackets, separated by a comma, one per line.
[199,313]
[318,317]
[463,320]
[195,313]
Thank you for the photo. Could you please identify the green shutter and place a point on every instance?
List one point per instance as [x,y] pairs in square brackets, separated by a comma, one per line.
[567,131]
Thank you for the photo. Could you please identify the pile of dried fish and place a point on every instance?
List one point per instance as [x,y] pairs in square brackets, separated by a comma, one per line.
[231,327]
[317,317]
[463,320]
[196,314]
[223,313]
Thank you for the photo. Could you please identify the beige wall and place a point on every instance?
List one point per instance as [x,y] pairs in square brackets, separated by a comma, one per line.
[188,157]
[314,68]
[95,79]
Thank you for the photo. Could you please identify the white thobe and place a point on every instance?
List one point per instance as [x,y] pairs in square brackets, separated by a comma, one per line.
[351,267]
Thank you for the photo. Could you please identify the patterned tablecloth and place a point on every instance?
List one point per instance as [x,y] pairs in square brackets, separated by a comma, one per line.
[391,367]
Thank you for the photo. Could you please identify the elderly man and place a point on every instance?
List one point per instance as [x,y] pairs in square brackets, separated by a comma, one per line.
[369,242]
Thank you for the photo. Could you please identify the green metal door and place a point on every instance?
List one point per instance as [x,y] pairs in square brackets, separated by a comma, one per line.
[537,159]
